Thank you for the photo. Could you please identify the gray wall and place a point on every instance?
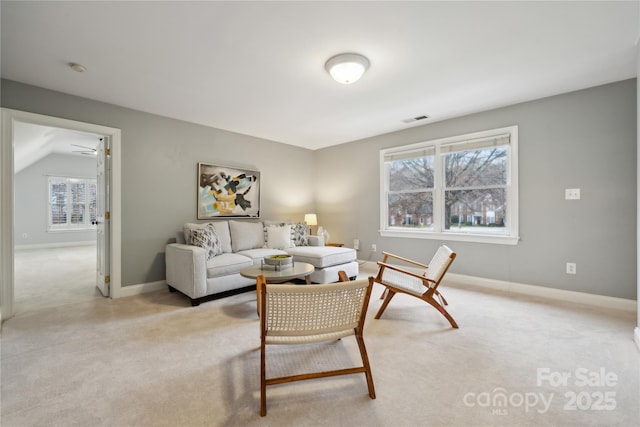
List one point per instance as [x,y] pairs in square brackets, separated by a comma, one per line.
[31,189]
[159,171]
[584,139]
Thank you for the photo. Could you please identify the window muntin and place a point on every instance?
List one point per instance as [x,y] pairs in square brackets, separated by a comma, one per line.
[460,188]
[72,203]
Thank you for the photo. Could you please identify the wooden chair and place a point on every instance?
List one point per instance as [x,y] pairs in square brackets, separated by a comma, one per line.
[423,286]
[294,314]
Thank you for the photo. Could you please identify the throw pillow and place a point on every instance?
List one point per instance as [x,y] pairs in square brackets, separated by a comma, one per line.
[300,234]
[267,224]
[208,239]
[279,237]
[188,229]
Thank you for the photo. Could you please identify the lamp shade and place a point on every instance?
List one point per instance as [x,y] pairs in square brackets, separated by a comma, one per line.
[311,219]
[347,68]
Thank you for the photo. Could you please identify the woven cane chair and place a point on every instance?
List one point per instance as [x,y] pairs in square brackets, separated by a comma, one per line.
[294,314]
[423,286]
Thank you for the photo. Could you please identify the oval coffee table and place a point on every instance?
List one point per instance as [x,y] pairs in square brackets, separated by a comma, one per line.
[271,275]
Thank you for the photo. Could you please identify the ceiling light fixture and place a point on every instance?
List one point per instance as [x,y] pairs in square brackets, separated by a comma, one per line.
[347,68]
[77,67]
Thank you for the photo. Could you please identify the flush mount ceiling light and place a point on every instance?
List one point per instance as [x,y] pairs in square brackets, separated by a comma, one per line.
[347,68]
[77,67]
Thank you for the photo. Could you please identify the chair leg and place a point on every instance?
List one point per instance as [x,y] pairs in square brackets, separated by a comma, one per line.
[384,293]
[442,300]
[367,367]
[442,310]
[390,295]
[263,382]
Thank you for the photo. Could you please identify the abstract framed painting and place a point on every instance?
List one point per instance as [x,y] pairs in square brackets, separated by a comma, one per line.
[227,192]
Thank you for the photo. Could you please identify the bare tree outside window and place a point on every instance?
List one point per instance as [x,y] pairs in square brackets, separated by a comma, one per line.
[475,183]
[411,192]
[452,188]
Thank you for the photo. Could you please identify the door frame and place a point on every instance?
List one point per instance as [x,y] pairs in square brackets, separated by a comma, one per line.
[9,117]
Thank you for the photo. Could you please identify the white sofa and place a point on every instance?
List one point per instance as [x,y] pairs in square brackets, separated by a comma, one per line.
[242,244]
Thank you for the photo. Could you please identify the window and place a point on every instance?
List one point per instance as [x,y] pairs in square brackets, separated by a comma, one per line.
[72,203]
[459,188]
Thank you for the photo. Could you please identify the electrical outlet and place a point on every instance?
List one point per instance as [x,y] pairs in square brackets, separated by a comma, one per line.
[572,194]
[373,247]
[356,244]
[571,268]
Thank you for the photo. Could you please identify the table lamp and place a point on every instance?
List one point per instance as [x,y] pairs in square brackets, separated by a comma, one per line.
[310,219]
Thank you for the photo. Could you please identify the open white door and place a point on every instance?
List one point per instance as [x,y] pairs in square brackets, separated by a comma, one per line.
[103,216]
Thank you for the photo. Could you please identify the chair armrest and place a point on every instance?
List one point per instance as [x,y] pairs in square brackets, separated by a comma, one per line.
[315,240]
[186,269]
[409,261]
[401,270]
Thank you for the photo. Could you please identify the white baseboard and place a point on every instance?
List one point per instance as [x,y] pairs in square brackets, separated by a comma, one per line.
[544,292]
[536,291]
[477,282]
[142,288]
[56,245]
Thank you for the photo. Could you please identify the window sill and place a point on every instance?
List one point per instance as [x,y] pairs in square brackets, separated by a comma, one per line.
[455,237]
[66,230]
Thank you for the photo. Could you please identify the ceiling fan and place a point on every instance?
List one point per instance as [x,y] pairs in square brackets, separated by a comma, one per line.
[87,150]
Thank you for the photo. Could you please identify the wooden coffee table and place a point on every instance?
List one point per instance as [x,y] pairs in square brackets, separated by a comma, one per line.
[297,271]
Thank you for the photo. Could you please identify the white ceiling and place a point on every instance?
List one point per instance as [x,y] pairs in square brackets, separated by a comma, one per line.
[257,68]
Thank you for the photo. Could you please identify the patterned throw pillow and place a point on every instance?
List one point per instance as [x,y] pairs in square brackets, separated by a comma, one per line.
[208,239]
[300,234]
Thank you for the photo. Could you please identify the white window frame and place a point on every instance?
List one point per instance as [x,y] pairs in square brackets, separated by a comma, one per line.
[438,232]
[86,225]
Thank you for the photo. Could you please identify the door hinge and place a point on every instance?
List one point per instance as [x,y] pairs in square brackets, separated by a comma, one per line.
[107,151]
[107,279]
[107,215]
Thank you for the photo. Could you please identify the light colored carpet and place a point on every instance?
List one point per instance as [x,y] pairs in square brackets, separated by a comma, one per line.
[153,360]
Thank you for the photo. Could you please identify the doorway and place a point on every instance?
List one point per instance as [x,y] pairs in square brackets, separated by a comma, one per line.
[55,211]
[10,120]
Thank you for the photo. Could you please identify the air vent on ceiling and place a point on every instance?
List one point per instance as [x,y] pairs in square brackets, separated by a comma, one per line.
[415,119]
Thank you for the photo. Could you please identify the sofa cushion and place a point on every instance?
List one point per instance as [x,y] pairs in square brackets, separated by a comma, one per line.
[322,256]
[246,235]
[278,237]
[222,229]
[226,264]
[208,239]
[300,234]
[259,253]
[330,274]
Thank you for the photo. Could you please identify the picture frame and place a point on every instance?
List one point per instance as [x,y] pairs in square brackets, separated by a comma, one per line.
[225,191]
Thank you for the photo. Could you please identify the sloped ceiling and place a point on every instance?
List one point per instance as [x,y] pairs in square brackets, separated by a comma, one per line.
[35,142]
[257,68]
